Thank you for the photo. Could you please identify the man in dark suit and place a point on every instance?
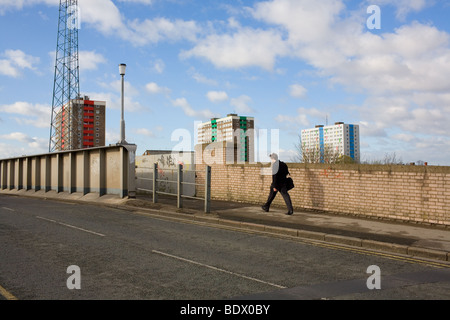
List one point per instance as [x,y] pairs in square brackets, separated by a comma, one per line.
[280,172]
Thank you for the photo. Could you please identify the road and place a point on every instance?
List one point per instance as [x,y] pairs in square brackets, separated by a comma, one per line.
[118,254]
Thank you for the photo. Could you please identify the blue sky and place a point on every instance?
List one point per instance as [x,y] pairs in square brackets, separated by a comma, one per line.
[291,64]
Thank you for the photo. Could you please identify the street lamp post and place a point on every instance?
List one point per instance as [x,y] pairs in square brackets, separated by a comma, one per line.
[122,68]
[129,149]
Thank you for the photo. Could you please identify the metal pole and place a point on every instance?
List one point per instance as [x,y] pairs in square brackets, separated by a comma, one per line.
[122,69]
[122,121]
[208,190]
[155,177]
[180,187]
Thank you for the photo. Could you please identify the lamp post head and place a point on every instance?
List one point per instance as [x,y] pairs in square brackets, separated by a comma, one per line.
[122,68]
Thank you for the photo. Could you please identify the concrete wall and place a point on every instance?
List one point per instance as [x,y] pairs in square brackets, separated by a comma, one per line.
[409,193]
[167,166]
[105,170]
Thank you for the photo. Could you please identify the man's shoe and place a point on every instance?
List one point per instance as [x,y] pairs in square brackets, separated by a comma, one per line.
[265,208]
[289,213]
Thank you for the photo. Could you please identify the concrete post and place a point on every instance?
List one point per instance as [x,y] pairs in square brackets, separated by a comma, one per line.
[72,172]
[155,182]
[18,174]
[129,170]
[123,170]
[86,180]
[3,175]
[131,148]
[11,174]
[102,172]
[180,186]
[47,174]
[37,173]
[28,174]
[60,171]
[208,190]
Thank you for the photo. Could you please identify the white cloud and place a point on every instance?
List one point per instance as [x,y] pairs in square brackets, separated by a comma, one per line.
[18,136]
[23,145]
[20,4]
[113,96]
[342,49]
[297,91]
[16,60]
[147,2]
[20,59]
[159,66]
[217,96]
[161,29]
[149,133]
[200,78]
[113,101]
[154,88]
[241,104]
[302,117]
[404,72]
[244,48]
[102,15]
[145,132]
[37,115]
[89,60]
[116,85]
[404,7]
[288,155]
[111,135]
[7,69]
[306,21]
[191,112]
[386,113]
[372,129]
[404,137]
[414,58]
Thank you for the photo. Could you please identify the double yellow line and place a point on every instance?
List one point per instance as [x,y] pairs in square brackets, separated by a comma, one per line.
[5,293]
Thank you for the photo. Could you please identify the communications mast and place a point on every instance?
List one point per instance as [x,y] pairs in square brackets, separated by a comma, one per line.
[66,86]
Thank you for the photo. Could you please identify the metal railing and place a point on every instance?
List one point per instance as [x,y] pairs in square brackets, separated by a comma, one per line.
[179,186]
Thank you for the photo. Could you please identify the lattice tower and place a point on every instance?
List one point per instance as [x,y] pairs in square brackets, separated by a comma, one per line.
[66,86]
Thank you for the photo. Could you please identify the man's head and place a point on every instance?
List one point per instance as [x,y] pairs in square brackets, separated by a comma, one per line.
[273,157]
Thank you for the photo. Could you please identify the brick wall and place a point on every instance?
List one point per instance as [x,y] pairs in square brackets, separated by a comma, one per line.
[411,193]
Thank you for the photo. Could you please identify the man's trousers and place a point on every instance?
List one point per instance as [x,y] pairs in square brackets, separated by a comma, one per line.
[286,197]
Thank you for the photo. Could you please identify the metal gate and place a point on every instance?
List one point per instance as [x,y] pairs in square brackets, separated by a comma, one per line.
[174,184]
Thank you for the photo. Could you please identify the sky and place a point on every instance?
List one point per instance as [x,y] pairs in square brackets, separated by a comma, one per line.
[290,64]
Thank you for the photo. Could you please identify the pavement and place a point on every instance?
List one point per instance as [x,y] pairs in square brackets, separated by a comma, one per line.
[407,239]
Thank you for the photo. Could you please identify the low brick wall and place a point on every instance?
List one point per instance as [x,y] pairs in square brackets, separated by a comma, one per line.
[410,193]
